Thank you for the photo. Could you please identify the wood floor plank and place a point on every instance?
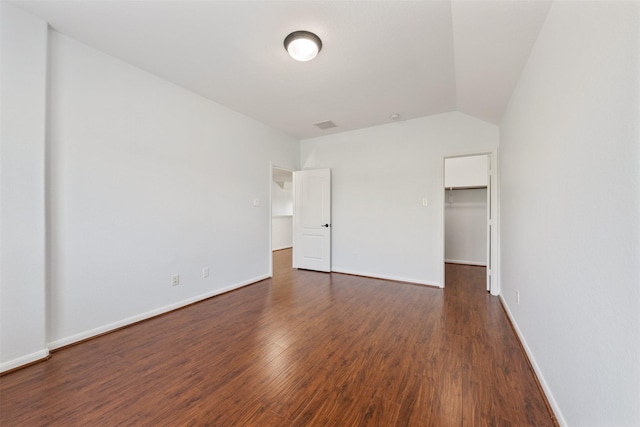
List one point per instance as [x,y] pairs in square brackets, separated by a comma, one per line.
[348,405]
[303,348]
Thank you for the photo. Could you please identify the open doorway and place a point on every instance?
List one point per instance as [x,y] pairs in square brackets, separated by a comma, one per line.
[281,210]
[469,208]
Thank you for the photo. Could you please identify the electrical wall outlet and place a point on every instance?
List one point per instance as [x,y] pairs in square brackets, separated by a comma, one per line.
[175,280]
[205,272]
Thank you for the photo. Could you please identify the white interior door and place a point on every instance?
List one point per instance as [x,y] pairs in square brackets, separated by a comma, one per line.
[312,219]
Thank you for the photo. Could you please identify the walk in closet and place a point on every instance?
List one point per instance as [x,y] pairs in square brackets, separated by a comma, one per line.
[281,209]
[466,210]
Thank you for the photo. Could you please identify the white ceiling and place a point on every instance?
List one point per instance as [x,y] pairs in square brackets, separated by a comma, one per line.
[413,58]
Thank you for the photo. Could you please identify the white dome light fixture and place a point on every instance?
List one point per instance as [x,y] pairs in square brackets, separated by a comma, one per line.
[302,45]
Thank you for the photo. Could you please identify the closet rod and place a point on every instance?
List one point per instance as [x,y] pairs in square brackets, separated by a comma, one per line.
[466,188]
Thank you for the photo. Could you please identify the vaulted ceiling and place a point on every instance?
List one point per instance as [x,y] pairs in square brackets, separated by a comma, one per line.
[412,58]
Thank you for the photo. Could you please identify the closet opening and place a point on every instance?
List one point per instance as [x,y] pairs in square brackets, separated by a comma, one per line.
[467,212]
[281,216]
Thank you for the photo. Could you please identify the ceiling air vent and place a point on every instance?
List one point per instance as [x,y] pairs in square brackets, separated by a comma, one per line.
[325,125]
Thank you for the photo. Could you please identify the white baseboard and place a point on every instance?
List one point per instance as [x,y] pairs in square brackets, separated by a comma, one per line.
[24,360]
[385,277]
[536,368]
[149,314]
[457,261]
[279,248]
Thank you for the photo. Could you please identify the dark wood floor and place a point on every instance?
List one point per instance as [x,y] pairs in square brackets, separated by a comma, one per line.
[300,349]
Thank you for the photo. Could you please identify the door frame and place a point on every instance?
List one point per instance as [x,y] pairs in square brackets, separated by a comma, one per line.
[271,168]
[493,215]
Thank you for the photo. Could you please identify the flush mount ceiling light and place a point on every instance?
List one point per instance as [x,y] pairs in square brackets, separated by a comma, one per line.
[302,45]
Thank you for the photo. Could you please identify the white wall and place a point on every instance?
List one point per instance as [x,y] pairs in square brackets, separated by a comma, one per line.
[468,171]
[148,180]
[465,233]
[380,176]
[282,198]
[22,188]
[570,211]
[282,216]
[282,232]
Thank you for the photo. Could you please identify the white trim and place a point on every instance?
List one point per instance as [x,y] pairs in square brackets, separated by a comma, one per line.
[149,314]
[455,261]
[534,364]
[385,277]
[271,218]
[24,360]
[281,248]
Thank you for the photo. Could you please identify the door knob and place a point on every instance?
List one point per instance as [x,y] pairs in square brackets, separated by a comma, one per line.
[324,225]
